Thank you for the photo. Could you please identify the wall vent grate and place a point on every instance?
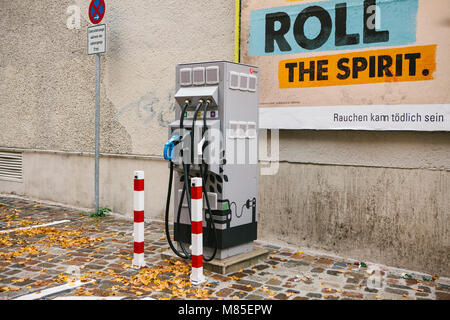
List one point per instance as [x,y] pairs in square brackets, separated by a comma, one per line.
[11,166]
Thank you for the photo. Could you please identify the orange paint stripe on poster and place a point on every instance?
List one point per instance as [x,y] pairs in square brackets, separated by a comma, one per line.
[376,66]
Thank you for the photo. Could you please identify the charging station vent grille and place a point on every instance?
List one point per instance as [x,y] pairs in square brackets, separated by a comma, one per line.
[212,75]
[11,166]
[198,76]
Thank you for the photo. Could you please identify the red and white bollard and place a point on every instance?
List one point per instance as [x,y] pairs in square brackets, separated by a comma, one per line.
[138,257]
[197,276]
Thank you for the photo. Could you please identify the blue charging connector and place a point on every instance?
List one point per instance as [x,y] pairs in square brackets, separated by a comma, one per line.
[170,146]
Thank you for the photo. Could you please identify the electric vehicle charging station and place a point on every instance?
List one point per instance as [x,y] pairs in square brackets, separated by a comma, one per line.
[215,137]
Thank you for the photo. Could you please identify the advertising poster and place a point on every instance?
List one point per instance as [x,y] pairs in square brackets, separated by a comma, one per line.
[350,64]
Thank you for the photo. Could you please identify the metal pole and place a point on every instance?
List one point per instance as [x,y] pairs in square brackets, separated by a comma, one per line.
[197,276]
[97,132]
[138,228]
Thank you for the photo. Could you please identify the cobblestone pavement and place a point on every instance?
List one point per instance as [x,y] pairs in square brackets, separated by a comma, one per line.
[97,252]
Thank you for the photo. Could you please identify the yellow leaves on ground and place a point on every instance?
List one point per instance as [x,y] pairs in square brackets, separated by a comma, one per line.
[172,279]
[62,278]
[122,256]
[6,241]
[62,238]
[268,291]
[32,250]
[276,258]
[10,214]
[84,292]
[48,237]
[20,280]
[5,289]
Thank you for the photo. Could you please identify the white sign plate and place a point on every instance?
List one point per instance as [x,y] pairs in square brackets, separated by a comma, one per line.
[427,117]
[96,39]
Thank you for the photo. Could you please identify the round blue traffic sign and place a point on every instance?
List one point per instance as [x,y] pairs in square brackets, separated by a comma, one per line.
[97,11]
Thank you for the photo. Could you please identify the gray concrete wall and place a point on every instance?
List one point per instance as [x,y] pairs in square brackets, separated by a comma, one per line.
[398,217]
[47,81]
[407,150]
[70,179]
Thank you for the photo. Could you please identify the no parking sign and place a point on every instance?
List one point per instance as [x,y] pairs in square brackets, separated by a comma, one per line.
[97,33]
[97,11]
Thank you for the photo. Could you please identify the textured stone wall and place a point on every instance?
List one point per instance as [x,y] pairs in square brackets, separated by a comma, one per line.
[398,217]
[48,82]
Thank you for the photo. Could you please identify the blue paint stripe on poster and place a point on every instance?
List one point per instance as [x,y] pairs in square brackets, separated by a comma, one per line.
[398,17]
